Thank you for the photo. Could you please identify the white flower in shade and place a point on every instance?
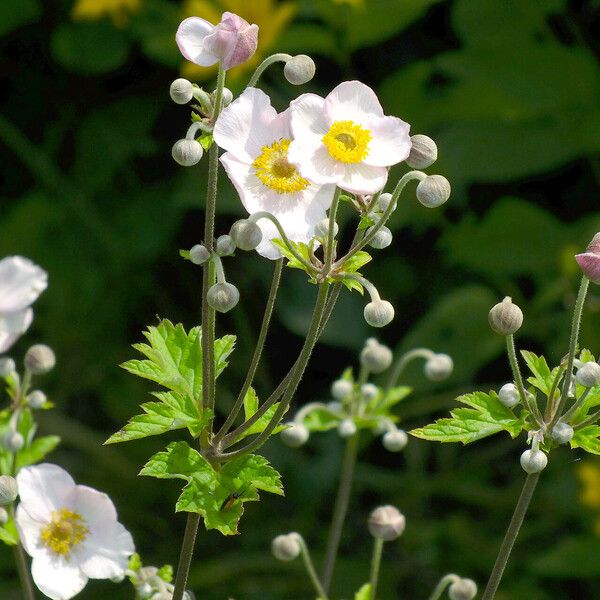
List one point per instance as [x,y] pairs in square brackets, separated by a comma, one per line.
[346,139]
[257,140]
[21,282]
[70,531]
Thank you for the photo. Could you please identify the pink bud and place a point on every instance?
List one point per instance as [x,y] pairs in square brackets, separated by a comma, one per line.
[589,261]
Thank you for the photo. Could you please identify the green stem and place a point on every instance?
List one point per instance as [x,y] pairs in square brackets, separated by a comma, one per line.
[270,60]
[511,535]
[375,566]
[329,250]
[186,554]
[340,510]
[402,362]
[24,573]
[576,405]
[443,583]
[310,569]
[531,405]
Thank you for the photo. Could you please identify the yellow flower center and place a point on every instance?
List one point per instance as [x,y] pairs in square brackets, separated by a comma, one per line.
[347,141]
[65,530]
[274,170]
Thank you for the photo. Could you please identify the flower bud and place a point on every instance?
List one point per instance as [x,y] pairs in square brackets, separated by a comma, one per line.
[181,91]
[347,428]
[40,359]
[462,589]
[199,254]
[322,228]
[533,461]
[382,239]
[505,317]
[509,395]
[386,523]
[335,406]
[295,435]
[286,547]
[300,69]
[7,367]
[384,200]
[423,152]
[589,261]
[8,490]
[395,440]
[369,391]
[3,516]
[223,297]
[562,433]
[163,596]
[438,367]
[187,153]
[375,356]
[227,96]
[588,375]
[145,591]
[225,245]
[246,234]
[36,399]
[13,441]
[433,191]
[379,313]
[341,389]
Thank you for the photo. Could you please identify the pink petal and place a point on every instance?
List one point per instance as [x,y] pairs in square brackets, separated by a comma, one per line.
[589,262]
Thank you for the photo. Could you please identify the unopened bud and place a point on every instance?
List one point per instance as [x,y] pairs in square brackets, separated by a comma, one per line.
[382,239]
[379,313]
[335,406]
[223,297]
[433,191]
[509,395]
[187,153]
[3,516]
[505,317]
[181,91]
[395,440]
[423,152]
[199,254]
[145,591]
[589,261]
[36,399]
[40,359]
[322,228]
[375,356]
[8,490]
[13,441]
[533,461]
[386,523]
[562,433]
[462,589]
[341,389]
[7,367]
[588,375]
[384,200]
[246,234]
[347,428]
[438,367]
[225,245]
[295,435]
[369,391]
[300,69]
[286,547]
[227,96]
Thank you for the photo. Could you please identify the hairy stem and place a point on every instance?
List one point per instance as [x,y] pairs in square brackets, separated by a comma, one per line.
[340,510]
[186,554]
[511,535]
[443,583]
[310,569]
[265,64]
[401,364]
[530,404]
[24,574]
[375,566]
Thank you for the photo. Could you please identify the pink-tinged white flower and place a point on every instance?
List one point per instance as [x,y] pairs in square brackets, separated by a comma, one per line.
[589,261]
[70,531]
[346,139]
[232,41]
[257,140]
[21,282]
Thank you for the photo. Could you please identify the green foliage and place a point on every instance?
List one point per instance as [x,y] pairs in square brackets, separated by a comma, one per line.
[16,13]
[543,379]
[250,407]
[485,416]
[8,533]
[588,439]
[364,593]
[218,496]
[352,265]
[304,250]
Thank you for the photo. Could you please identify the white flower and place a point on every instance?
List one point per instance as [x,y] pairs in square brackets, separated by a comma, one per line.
[70,531]
[346,139]
[21,282]
[257,139]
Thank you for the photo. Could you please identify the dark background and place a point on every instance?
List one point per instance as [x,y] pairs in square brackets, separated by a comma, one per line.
[510,90]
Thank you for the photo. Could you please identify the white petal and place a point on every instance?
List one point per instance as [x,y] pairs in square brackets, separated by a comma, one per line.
[390,142]
[12,326]
[363,179]
[190,40]
[43,489]
[354,101]
[105,553]
[96,508]
[56,577]
[308,116]
[21,282]
[243,127]
[29,531]
[314,161]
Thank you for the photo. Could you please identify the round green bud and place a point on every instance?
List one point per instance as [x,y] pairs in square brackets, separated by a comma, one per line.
[246,234]
[462,589]
[505,317]
[386,523]
[395,440]
[508,395]
[181,91]
[384,200]
[8,490]
[588,375]
[533,461]
[199,254]
[438,367]
[36,399]
[13,441]
[3,516]
[187,153]
[347,428]
[423,152]
[227,96]
[300,69]
[562,433]
[382,239]
[369,391]
[433,191]
[7,366]
[375,356]
[341,389]
[225,245]
[40,359]
[223,297]
[379,313]
[295,435]
[286,547]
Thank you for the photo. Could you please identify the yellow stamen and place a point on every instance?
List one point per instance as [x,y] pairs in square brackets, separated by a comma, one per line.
[65,530]
[347,141]
[274,170]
